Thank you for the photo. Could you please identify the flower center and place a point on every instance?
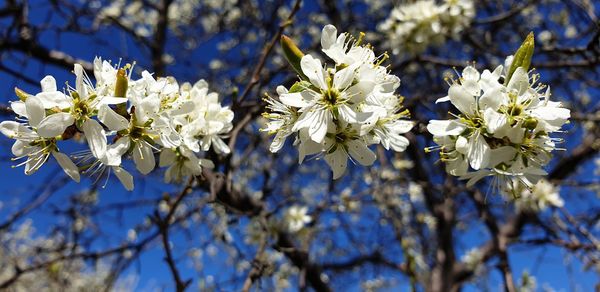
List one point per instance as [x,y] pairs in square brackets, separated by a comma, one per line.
[330,96]
[136,132]
[81,110]
[515,109]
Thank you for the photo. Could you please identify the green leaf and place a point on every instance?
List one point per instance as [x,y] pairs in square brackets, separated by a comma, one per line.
[300,86]
[292,54]
[522,57]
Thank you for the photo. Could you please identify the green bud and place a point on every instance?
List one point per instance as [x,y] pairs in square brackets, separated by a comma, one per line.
[522,57]
[530,123]
[121,85]
[121,91]
[502,166]
[54,269]
[22,95]
[292,54]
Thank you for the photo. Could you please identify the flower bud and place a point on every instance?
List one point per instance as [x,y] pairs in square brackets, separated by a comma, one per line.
[530,123]
[292,54]
[121,91]
[22,95]
[522,57]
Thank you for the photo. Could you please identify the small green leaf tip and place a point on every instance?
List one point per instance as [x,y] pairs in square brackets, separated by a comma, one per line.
[522,57]
[22,95]
[292,54]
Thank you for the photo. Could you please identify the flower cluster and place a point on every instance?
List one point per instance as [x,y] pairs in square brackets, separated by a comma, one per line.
[543,195]
[24,247]
[502,129]
[142,17]
[139,116]
[338,111]
[412,27]
[296,217]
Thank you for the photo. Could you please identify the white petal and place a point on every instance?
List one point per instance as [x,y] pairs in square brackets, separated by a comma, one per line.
[328,36]
[360,91]
[115,151]
[462,99]
[508,61]
[502,154]
[445,127]
[19,108]
[79,84]
[442,99]
[55,124]
[493,99]
[95,137]
[490,81]
[476,176]
[401,126]
[318,127]
[493,120]
[462,145]
[112,100]
[125,178]
[170,138]
[552,113]
[519,81]
[110,118]
[12,129]
[470,73]
[55,99]
[220,146]
[307,147]
[347,114]
[67,165]
[472,87]
[398,143]
[278,141]
[313,69]
[458,166]
[361,153]
[296,99]
[143,157]
[48,84]
[35,110]
[515,134]
[167,157]
[97,68]
[338,161]
[479,151]
[206,163]
[343,78]
[333,45]
[184,108]
[19,148]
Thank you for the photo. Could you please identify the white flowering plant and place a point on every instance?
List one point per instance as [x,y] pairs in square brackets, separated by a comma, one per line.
[503,126]
[336,111]
[412,27]
[140,117]
[221,205]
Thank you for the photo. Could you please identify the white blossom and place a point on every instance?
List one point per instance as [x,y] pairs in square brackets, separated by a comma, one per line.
[413,26]
[501,130]
[141,117]
[337,112]
[543,195]
[296,217]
